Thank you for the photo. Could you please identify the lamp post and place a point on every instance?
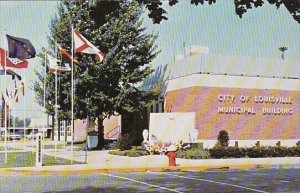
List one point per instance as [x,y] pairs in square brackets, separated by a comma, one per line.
[282,50]
[56,107]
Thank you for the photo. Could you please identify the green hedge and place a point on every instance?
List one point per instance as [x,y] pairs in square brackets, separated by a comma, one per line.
[193,154]
[254,152]
[134,152]
[222,152]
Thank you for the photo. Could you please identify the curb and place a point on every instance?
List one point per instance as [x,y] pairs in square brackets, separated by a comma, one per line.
[113,163]
[74,170]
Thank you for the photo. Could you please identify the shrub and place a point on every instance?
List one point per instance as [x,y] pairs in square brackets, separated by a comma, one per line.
[277,151]
[254,152]
[294,151]
[136,153]
[235,152]
[193,154]
[227,152]
[131,153]
[124,142]
[217,152]
[223,138]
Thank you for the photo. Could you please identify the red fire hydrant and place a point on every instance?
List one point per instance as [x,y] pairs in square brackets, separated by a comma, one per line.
[172,158]
[172,155]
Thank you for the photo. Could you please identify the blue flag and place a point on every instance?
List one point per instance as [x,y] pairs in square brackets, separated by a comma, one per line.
[20,48]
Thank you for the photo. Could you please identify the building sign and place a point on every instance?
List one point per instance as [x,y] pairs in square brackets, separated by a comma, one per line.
[242,104]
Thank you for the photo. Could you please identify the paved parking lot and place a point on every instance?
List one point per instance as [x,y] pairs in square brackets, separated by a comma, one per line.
[237,181]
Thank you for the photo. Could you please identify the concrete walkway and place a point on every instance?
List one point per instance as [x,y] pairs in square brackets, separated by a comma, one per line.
[105,162]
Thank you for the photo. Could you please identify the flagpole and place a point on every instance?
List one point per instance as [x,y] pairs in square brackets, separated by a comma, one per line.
[72,93]
[5,103]
[190,38]
[12,122]
[56,108]
[24,119]
[44,120]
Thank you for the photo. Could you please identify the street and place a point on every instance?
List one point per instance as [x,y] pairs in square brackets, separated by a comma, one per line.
[255,180]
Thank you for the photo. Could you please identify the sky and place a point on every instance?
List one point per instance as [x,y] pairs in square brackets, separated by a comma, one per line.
[259,33]
[30,20]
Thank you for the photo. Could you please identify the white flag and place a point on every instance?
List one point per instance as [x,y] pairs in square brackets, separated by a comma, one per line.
[82,45]
[54,67]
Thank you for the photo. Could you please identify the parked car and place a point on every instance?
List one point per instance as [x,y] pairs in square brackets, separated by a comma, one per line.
[14,136]
[34,135]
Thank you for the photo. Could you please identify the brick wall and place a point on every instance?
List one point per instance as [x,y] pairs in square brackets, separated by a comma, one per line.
[254,124]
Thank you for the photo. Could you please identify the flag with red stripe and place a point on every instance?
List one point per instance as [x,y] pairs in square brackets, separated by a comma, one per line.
[82,45]
[66,57]
[55,67]
[12,62]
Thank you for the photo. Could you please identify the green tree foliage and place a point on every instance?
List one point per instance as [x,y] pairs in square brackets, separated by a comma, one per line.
[79,14]
[112,87]
[107,88]
[157,13]
[17,122]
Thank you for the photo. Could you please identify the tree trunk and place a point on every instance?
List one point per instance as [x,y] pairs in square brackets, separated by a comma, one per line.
[100,144]
[127,119]
[52,128]
[135,130]
[48,130]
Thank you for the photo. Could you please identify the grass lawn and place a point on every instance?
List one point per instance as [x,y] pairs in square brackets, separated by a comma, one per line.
[8,148]
[77,146]
[58,146]
[27,159]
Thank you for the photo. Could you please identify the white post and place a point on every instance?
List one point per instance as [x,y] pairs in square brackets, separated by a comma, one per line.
[13,126]
[72,93]
[56,110]
[190,38]
[44,120]
[24,120]
[39,155]
[5,103]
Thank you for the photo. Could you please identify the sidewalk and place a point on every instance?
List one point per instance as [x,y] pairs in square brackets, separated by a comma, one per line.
[102,161]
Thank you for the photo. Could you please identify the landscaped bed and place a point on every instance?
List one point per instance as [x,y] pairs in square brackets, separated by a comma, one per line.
[134,152]
[222,152]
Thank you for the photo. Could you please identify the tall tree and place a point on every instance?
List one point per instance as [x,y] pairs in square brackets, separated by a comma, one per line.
[112,87]
[107,88]
[79,14]
[69,13]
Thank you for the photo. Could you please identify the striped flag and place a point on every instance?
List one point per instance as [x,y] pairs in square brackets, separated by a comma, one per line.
[66,57]
[55,67]
[82,45]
